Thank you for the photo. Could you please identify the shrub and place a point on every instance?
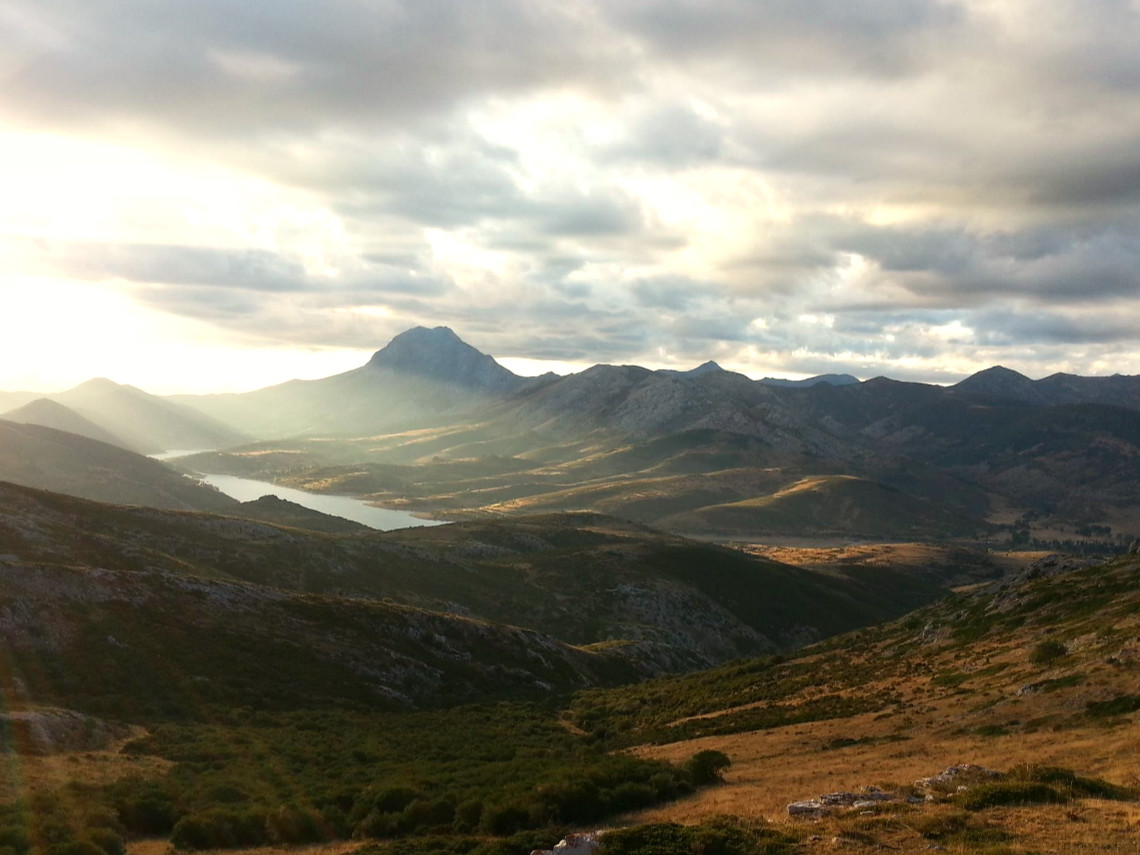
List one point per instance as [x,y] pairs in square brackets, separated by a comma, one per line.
[1048,651]
[502,820]
[220,829]
[719,835]
[1072,784]
[705,767]
[145,809]
[293,824]
[107,840]
[1010,793]
[1121,705]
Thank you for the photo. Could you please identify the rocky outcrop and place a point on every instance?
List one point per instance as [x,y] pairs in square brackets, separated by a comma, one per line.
[955,778]
[49,730]
[583,843]
[831,802]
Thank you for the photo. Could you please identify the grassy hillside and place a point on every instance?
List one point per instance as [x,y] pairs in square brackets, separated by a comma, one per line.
[831,505]
[1034,676]
[266,722]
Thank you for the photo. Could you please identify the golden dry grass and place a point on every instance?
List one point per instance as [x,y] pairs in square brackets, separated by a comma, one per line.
[24,774]
[937,726]
[162,847]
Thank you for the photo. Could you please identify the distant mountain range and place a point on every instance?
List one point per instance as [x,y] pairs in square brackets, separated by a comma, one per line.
[1055,390]
[433,424]
[127,417]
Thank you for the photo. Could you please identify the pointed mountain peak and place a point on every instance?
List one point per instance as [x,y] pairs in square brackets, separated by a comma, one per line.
[998,372]
[704,368]
[709,367]
[95,384]
[439,354]
[1002,382]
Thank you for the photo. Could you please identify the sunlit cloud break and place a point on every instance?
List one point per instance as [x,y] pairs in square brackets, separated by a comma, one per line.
[917,190]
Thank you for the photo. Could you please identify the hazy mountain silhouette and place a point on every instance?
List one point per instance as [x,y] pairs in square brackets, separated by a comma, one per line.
[49,413]
[143,422]
[829,379]
[50,459]
[423,376]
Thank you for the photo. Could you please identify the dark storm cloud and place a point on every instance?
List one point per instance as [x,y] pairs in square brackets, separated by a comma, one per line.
[252,68]
[1025,328]
[877,37]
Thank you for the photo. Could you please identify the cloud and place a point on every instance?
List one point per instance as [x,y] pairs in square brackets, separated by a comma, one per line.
[833,184]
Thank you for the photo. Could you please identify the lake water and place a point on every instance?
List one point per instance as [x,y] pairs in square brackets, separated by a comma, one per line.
[385,519]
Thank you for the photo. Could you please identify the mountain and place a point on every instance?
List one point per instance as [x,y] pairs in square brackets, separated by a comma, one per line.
[440,356]
[650,446]
[51,459]
[14,400]
[49,413]
[1002,382]
[1055,390]
[829,379]
[143,422]
[660,603]
[703,368]
[422,377]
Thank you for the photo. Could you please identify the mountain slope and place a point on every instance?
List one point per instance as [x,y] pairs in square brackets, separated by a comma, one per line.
[51,459]
[1028,676]
[146,423]
[830,506]
[52,414]
[829,379]
[144,644]
[673,604]
[1054,390]
[422,377]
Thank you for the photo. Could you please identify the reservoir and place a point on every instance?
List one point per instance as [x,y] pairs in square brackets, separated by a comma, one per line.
[385,519]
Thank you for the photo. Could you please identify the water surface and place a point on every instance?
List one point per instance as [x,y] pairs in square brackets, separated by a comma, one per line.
[357,510]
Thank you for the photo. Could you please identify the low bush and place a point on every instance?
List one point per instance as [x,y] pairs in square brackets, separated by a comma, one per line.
[721,835]
[1047,652]
[705,767]
[1072,784]
[1001,793]
[1122,705]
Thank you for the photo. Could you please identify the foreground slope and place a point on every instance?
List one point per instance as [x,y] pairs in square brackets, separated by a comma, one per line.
[1039,670]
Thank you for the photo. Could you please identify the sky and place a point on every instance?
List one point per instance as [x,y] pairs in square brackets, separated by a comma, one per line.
[216,196]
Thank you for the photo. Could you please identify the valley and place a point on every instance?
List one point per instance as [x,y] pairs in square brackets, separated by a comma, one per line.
[663,603]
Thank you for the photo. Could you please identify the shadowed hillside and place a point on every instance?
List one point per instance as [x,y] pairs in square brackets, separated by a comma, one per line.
[64,462]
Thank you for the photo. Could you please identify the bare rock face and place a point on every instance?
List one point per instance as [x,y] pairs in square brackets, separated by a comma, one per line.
[50,730]
[582,843]
[956,778]
[830,802]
